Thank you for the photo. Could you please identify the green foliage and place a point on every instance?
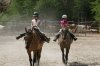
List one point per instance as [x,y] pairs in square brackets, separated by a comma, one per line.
[19,8]
[44,4]
[82,10]
[96,9]
[59,6]
[75,9]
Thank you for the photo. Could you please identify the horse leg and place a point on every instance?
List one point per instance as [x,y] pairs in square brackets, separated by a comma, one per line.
[34,58]
[67,51]
[39,56]
[30,59]
[63,59]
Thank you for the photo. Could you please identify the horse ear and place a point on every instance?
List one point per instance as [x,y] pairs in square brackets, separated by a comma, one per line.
[26,29]
[32,28]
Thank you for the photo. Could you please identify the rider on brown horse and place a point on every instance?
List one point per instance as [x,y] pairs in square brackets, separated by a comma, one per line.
[34,25]
[64,24]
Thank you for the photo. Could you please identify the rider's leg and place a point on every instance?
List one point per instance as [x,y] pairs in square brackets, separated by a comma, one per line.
[72,35]
[20,36]
[57,35]
[45,37]
[42,35]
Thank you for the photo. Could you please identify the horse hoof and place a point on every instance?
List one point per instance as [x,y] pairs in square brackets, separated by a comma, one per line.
[63,61]
[66,62]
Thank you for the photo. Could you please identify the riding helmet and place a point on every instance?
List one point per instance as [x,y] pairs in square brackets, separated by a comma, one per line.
[35,14]
[64,16]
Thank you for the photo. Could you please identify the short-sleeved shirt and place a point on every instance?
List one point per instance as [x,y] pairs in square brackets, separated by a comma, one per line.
[64,23]
[35,23]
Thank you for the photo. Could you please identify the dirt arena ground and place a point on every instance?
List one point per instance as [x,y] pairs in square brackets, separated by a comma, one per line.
[84,52]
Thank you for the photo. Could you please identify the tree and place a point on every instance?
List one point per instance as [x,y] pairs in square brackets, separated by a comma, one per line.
[82,10]
[58,6]
[19,8]
[4,4]
[78,10]
[96,9]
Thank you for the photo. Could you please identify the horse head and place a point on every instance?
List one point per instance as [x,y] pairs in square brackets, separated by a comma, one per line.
[29,33]
[64,33]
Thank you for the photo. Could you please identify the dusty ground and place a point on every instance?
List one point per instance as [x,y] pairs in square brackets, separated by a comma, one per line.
[84,52]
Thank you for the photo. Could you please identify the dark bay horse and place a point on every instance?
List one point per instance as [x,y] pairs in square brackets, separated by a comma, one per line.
[65,41]
[35,46]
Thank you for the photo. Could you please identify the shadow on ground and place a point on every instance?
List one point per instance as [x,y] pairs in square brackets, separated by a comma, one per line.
[82,64]
[77,64]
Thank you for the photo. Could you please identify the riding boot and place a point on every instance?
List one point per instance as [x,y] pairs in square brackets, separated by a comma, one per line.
[73,36]
[57,35]
[45,38]
[42,35]
[20,36]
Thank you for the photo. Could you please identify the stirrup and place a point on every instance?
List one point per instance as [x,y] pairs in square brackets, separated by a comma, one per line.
[75,38]
[18,37]
[55,40]
[48,40]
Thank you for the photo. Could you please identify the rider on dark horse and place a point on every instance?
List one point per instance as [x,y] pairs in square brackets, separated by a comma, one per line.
[35,25]
[64,24]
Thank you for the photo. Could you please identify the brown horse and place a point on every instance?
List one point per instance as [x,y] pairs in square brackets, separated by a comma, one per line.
[35,46]
[65,41]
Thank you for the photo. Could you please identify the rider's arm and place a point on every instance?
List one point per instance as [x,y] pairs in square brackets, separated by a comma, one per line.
[34,23]
[39,23]
[31,24]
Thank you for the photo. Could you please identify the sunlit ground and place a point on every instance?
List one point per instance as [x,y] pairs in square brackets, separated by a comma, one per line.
[84,52]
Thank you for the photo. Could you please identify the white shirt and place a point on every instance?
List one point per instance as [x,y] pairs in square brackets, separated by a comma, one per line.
[35,22]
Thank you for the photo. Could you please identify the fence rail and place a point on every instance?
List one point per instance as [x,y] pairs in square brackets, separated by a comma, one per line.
[51,27]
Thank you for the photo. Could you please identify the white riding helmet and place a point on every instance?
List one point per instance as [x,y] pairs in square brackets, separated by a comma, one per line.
[64,16]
